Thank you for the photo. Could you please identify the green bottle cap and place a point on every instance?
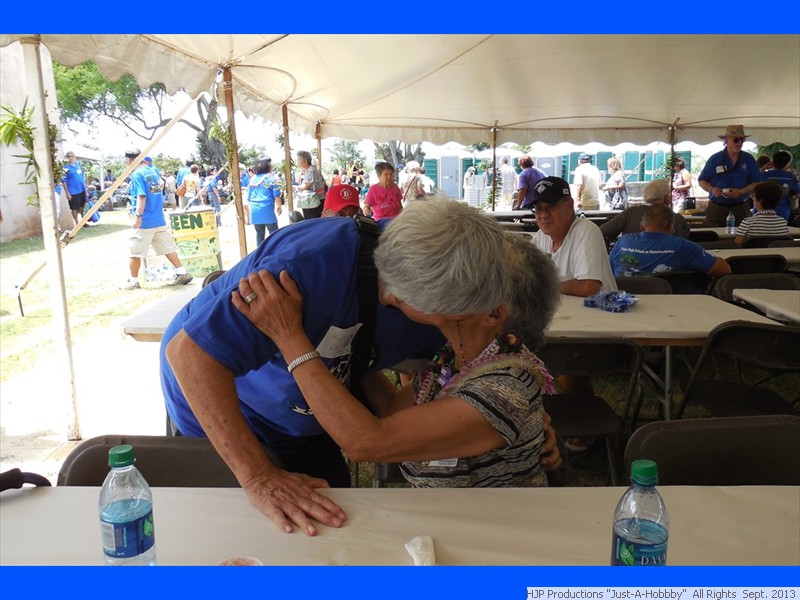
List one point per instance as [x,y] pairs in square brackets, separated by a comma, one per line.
[121,456]
[644,472]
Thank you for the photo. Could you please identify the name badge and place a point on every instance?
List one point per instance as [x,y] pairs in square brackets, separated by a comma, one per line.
[721,169]
[338,342]
[446,462]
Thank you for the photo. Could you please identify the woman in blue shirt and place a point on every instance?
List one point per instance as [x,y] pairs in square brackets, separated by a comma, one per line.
[264,196]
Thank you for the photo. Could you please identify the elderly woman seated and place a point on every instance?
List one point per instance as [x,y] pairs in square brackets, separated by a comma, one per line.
[473,416]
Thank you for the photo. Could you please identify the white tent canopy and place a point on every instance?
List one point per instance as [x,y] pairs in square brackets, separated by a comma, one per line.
[440,88]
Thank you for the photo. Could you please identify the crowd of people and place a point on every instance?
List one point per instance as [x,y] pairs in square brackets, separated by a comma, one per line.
[282,360]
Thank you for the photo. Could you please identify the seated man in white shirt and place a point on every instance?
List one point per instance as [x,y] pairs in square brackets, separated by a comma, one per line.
[575,245]
[579,252]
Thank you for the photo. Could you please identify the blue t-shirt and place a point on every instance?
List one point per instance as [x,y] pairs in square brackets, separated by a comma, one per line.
[73,177]
[527,179]
[244,179]
[790,187]
[655,252]
[320,255]
[182,172]
[720,172]
[145,182]
[261,193]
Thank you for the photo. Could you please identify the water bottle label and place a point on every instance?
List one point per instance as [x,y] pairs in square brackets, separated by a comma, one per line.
[125,540]
[641,553]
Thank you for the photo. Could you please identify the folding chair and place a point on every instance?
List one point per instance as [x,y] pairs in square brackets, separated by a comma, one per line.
[644,285]
[784,243]
[686,282]
[703,236]
[762,242]
[719,245]
[769,263]
[164,461]
[578,415]
[724,286]
[760,450]
[737,388]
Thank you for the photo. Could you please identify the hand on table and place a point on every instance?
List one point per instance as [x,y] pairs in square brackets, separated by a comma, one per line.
[290,499]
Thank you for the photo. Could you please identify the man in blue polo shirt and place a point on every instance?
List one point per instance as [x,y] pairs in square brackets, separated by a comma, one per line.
[656,250]
[75,186]
[729,177]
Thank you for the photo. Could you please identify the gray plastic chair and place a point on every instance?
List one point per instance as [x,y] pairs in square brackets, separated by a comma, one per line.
[579,415]
[735,362]
[164,461]
[755,450]
[724,286]
[644,285]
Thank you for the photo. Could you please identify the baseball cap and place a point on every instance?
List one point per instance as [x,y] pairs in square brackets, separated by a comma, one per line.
[132,153]
[585,156]
[550,190]
[147,159]
[340,196]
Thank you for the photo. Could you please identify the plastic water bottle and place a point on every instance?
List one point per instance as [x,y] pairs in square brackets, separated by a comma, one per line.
[730,223]
[126,512]
[641,524]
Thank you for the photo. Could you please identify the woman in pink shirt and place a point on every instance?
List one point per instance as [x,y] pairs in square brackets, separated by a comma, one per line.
[384,200]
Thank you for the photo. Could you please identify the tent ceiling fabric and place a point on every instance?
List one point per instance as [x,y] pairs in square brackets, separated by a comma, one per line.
[441,88]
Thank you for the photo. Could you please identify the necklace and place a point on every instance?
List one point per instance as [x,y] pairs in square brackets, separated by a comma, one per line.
[441,375]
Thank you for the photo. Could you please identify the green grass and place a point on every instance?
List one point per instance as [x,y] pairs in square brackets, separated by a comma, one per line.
[95,262]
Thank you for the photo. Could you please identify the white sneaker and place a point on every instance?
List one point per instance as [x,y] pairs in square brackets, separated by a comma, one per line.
[182,279]
[130,285]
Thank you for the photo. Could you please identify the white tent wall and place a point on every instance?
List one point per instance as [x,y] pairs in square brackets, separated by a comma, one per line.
[21,220]
[441,88]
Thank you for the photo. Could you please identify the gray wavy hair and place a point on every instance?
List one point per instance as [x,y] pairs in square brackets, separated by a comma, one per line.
[535,290]
[444,257]
[656,190]
[305,155]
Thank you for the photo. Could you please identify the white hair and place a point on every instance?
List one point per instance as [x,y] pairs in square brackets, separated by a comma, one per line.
[444,257]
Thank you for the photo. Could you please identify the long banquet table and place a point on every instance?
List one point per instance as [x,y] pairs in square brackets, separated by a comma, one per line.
[724,235]
[655,320]
[783,305]
[792,254]
[740,525]
[149,324]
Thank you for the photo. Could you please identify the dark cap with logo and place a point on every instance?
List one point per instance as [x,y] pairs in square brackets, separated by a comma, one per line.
[550,190]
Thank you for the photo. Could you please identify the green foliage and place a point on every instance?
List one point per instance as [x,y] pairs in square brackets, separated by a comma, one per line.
[396,152]
[16,127]
[83,94]
[345,154]
[477,147]
[773,148]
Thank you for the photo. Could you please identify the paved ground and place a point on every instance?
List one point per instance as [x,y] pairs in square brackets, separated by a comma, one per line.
[118,393]
[117,385]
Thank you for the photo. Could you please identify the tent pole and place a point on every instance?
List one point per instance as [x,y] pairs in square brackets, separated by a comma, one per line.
[319,146]
[287,156]
[672,133]
[64,367]
[227,86]
[494,166]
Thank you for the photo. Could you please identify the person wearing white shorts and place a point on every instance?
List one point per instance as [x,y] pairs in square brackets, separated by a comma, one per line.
[149,226]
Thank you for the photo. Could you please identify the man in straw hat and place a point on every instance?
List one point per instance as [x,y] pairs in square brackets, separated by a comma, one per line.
[729,178]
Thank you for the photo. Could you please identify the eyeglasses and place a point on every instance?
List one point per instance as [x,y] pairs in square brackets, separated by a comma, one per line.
[737,140]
